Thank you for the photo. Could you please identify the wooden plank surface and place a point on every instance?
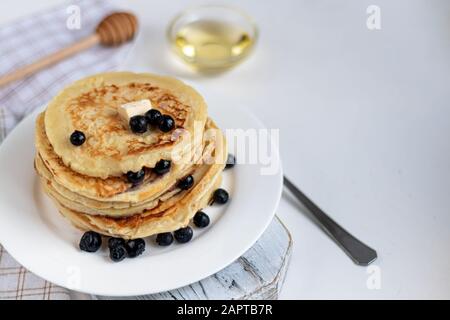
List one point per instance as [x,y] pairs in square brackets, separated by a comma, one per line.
[258,274]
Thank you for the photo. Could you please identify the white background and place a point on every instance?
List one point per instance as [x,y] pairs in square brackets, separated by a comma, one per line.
[364,118]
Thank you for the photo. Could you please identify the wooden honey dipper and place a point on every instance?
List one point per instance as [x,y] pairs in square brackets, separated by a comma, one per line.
[113,30]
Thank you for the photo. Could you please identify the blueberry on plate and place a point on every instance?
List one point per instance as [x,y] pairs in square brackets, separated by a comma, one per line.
[138,124]
[231,161]
[220,196]
[186,182]
[112,242]
[136,177]
[90,241]
[161,167]
[201,219]
[164,239]
[184,235]
[166,123]
[135,247]
[153,117]
[77,138]
[118,253]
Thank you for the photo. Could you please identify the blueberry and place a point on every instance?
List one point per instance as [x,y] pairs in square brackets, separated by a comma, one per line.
[77,138]
[135,247]
[135,177]
[231,161]
[118,253]
[90,241]
[186,182]
[162,166]
[183,235]
[166,123]
[220,196]
[153,117]
[112,242]
[201,219]
[138,124]
[164,239]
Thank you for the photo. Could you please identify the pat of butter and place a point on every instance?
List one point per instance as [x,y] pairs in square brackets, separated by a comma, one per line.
[134,108]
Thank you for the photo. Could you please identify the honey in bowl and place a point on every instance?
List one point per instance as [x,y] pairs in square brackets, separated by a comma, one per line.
[212,41]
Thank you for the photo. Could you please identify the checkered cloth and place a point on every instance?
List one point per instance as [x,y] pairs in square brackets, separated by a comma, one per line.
[21,43]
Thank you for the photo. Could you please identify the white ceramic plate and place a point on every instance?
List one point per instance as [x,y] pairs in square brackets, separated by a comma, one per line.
[39,238]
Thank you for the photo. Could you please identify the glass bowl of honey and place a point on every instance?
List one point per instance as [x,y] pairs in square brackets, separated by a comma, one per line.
[212,38]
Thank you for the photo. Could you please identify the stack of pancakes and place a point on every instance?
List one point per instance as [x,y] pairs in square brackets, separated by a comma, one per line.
[88,183]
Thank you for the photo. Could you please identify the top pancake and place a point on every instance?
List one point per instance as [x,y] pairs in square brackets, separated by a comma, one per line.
[90,105]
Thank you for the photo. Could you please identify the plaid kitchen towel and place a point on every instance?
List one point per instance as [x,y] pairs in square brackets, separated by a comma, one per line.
[24,42]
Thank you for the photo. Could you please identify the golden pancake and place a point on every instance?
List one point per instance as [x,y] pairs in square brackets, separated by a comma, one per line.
[157,220]
[213,162]
[118,189]
[91,105]
[89,184]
